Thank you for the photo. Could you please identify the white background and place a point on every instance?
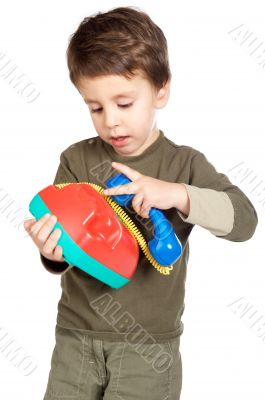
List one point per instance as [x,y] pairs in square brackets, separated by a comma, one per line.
[216,106]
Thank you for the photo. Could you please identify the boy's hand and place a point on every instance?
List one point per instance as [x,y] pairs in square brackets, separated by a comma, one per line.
[149,192]
[40,233]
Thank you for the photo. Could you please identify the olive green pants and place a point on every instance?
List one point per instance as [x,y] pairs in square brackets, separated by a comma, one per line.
[83,368]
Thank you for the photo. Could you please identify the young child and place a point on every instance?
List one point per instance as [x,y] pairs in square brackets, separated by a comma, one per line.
[124,343]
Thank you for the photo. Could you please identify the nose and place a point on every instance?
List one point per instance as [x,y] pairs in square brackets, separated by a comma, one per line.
[111,118]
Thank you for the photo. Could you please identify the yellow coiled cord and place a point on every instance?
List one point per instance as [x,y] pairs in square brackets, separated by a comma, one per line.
[129,224]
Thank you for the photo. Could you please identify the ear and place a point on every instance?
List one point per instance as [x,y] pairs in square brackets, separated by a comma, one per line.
[162,95]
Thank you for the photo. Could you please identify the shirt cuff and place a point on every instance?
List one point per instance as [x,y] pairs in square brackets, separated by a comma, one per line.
[55,267]
[210,209]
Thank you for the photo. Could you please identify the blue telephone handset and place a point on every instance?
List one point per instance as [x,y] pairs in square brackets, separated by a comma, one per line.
[165,247]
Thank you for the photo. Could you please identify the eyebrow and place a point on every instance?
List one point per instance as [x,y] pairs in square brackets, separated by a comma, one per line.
[125,94]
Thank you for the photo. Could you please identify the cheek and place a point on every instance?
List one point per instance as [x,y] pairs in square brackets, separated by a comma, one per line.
[96,121]
[142,115]
[143,120]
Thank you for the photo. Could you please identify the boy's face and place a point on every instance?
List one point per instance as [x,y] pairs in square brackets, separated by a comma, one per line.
[124,108]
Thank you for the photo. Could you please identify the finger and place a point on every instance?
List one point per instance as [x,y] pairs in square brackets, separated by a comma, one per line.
[128,188]
[137,202]
[43,233]
[58,253]
[29,222]
[145,209]
[34,227]
[131,173]
[50,244]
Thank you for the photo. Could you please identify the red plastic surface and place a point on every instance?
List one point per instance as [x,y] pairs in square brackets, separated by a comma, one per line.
[93,225]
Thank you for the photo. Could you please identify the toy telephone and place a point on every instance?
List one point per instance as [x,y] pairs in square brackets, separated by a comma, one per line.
[97,234]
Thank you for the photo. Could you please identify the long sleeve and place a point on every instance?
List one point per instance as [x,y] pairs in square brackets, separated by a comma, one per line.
[55,267]
[218,205]
[63,175]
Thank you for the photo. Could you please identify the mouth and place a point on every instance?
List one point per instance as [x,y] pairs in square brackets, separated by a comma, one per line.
[119,140]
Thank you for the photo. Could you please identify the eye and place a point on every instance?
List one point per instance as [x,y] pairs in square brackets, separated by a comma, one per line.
[119,105]
[125,105]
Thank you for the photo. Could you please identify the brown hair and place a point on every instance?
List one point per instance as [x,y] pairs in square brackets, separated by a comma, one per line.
[122,41]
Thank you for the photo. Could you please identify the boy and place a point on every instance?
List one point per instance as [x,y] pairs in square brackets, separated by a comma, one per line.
[124,344]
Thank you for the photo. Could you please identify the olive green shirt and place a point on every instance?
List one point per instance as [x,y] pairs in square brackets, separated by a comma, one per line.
[150,306]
